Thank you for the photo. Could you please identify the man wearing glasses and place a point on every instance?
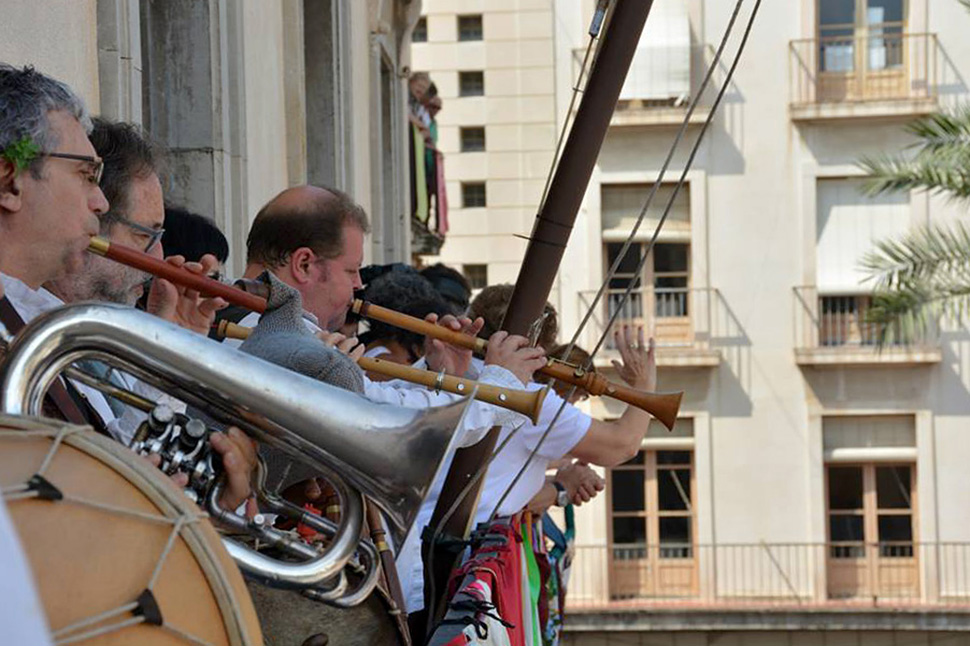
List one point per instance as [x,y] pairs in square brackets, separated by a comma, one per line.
[51,203]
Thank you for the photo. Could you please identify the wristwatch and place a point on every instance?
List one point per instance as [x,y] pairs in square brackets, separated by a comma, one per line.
[562,496]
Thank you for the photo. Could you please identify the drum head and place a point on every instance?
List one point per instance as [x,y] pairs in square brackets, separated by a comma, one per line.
[122,549]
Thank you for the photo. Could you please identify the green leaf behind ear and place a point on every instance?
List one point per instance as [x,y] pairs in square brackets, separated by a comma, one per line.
[21,153]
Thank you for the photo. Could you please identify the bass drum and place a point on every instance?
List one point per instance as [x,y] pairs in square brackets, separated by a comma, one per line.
[119,554]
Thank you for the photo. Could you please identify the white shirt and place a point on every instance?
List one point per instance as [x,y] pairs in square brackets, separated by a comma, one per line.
[570,428]
[22,618]
[479,418]
[31,303]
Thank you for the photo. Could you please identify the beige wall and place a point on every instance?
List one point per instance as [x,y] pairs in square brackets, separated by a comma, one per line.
[58,38]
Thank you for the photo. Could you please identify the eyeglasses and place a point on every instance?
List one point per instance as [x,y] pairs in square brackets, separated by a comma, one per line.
[97,164]
[154,235]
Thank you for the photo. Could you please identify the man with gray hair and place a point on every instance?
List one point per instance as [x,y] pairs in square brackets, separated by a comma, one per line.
[50,205]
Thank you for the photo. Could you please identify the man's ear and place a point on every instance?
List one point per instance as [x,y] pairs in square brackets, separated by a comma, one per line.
[299,264]
[11,186]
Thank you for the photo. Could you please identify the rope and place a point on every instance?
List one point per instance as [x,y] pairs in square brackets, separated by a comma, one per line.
[63,635]
[643,212]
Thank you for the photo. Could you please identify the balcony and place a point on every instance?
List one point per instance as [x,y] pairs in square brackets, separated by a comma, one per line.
[681,320]
[770,586]
[659,86]
[832,330]
[892,75]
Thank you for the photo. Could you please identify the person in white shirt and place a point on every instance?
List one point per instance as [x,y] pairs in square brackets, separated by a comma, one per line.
[51,204]
[575,434]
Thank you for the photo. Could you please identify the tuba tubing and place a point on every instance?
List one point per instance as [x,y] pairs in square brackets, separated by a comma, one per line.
[526,402]
[389,453]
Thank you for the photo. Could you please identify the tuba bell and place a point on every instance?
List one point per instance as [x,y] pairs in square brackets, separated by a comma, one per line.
[389,453]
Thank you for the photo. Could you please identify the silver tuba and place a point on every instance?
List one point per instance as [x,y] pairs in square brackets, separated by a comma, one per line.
[388,453]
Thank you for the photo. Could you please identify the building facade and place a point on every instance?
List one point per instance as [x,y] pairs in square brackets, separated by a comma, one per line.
[814,489]
[247,96]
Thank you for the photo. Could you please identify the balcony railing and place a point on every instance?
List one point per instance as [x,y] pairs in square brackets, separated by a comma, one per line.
[832,324]
[660,84]
[771,575]
[679,318]
[884,67]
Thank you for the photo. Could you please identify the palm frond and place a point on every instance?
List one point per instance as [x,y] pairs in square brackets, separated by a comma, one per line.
[911,314]
[940,164]
[942,130]
[933,173]
[930,255]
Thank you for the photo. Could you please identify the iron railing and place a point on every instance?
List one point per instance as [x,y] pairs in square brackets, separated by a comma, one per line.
[678,317]
[784,575]
[659,77]
[877,67]
[840,321]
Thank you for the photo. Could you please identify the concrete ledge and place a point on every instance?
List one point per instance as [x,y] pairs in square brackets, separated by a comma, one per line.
[849,110]
[671,357]
[657,116]
[663,620]
[856,356]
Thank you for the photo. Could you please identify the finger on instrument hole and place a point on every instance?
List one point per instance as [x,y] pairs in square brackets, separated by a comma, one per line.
[431,318]
[358,352]
[475,326]
[449,321]
[180,479]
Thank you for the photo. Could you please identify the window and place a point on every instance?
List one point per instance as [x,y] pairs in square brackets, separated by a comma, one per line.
[651,524]
[470,27]
[420,33]
[472,139]
[848,29]
[870,507]
[472,194]
[667,275]
[477,275]
[471,83]
[848,223]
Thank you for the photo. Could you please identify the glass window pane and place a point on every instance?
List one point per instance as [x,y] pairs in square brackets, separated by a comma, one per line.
[628,266]
[673,488]
[893,487]
[898,529]
[846,527]
[670,257]
[845,487]
[880,11]
[626,490]
[673,457]
[836,12]
[470,27]
[629,531]
[420,32]
[675,537]
[471,83]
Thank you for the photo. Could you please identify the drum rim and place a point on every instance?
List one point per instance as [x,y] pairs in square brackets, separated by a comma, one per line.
[171,502]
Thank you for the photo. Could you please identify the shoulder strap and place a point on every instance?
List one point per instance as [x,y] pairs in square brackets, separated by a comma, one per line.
[57,394]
